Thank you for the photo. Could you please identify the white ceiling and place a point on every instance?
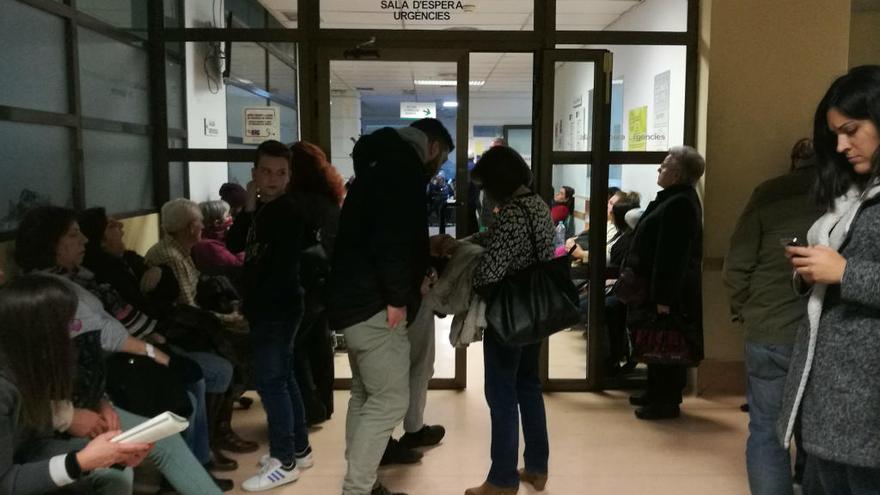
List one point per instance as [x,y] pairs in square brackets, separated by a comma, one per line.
[505,74]
[508,15]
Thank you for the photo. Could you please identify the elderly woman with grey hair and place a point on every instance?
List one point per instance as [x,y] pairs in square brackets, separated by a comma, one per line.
[665,259]
[210,254]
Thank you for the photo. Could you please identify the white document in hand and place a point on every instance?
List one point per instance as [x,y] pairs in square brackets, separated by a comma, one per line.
[153,430]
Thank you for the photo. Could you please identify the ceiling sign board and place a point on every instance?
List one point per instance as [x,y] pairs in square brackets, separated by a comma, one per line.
[261,124]
[424,10]
[418,110]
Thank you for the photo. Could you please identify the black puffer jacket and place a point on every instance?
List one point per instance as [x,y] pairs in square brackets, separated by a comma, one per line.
[381,252]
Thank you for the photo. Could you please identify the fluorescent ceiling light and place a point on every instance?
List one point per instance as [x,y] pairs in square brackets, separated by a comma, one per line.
[444,82]
[450,104]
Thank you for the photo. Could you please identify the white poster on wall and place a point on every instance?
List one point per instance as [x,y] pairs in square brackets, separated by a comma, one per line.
[659,138]
[261,124]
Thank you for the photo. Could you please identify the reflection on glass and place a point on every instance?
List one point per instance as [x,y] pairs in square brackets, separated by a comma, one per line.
[114,79]
[37,163]
[118,171]
[568,348]
[28,35]
[647,96]
[621,15]
[573,106]
[130,15]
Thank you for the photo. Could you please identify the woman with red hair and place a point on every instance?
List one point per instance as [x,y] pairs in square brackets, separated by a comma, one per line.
[318,189]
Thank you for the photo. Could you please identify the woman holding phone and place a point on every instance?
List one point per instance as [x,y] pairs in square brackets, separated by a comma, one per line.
[834,380]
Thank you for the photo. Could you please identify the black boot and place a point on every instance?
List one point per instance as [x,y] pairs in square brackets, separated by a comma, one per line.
[398,454]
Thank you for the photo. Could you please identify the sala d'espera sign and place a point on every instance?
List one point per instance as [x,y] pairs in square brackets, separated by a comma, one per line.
[422,10]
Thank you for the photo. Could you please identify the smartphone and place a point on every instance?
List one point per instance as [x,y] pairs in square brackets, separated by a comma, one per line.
[791,242]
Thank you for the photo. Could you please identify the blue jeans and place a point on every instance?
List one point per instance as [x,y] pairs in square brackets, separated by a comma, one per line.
[197,436]
[216,369]
[844,479]
[513,388]
[272,344]
[767,462]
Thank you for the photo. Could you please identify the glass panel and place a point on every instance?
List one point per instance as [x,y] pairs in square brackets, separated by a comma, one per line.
[495,15]
[177,178]
[130,15]
[114,79]
[367,95]
[37,165]
[621,15]
[647,96]
[573,106]
[118,170]
[521,141]
[175,93]
[248,64]
[568,348]
[28,35]
[173,10]
[504,99]
[639,179]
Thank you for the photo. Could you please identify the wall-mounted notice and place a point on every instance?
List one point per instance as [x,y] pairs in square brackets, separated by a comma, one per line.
[261,124]
[418,110]
[424,10]
[660,136]
[638,127]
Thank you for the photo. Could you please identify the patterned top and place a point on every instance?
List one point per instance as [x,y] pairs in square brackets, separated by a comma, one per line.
[508,242]
[169,252]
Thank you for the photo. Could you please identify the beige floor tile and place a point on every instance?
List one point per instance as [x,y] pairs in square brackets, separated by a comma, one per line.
[597,447]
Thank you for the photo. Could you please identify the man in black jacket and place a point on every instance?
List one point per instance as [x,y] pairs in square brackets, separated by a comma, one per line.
[380,261]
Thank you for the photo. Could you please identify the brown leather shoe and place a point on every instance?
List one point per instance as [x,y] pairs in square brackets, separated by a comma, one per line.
[539,481]
[490,489]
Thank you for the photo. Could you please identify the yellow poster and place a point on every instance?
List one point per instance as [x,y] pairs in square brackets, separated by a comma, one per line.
[638,129]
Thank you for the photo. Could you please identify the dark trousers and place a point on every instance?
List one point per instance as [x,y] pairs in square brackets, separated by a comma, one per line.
[845,479]
[513,388]
[665,383]
[272,344]
[313,358]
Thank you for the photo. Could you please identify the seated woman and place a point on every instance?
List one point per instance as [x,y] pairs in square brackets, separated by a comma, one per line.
[124,270]
[182,225]
[37,360]
[49,240]
[562,209]
[210,254]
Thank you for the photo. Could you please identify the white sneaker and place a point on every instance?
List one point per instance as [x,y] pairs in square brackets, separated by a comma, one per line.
[271,475]
[302,462]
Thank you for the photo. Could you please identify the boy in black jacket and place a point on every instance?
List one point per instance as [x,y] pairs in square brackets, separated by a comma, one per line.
[269,230]
[381,259]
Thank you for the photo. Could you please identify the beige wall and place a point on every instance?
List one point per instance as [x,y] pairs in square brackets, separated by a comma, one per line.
[864,38]
[769,63]
[140,234]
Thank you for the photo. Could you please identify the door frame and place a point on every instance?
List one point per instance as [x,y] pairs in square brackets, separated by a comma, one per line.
[598,159]
[328,54]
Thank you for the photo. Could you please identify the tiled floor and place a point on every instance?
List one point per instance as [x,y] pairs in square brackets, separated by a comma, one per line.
[597,447]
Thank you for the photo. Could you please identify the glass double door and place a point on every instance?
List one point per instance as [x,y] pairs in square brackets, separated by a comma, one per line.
[473,95]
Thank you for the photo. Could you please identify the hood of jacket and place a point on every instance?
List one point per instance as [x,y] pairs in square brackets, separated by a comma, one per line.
[370,148]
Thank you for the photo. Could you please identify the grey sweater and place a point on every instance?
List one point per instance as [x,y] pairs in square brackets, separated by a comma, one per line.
[840,410]
[28,464]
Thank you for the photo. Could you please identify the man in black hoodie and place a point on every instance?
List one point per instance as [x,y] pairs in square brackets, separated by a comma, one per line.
[380,261]
[270,229]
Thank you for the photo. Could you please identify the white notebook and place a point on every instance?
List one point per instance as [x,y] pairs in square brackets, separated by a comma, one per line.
[153,430]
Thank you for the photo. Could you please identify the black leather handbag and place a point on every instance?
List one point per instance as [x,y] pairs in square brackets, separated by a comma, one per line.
[530,305]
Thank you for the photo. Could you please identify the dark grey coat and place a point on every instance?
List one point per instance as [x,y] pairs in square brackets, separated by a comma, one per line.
[840,411]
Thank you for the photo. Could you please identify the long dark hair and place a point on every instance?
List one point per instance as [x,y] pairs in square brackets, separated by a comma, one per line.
[38,235]
[312,172]
[569,199]
[35,314]
[856,95]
